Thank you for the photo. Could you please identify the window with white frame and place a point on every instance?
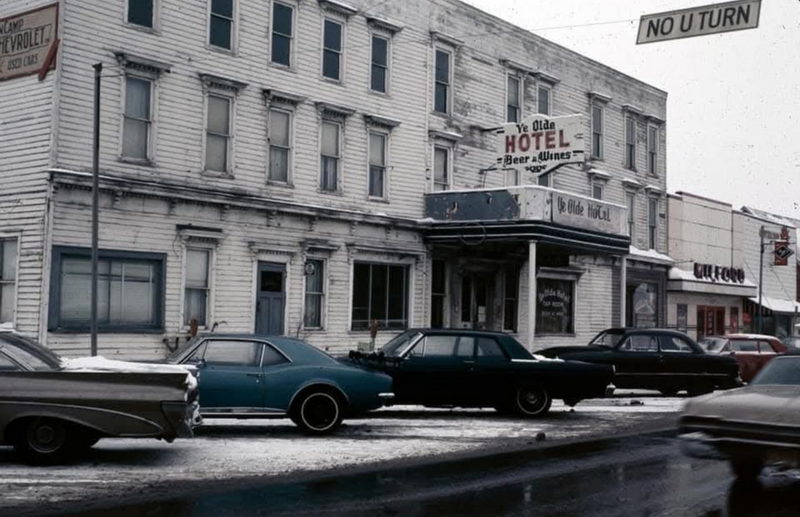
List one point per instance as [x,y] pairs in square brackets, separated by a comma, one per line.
[377,164]
[218,133]
[8,279]
[196,286]
[380,292]
[441,168]
[137,118]
[630,202]
[597,190]
[652,150]
[221,24]
[630,143]
[652,222]
[282,33]
[315,294]
[597,131]
[141,13]
[332,50]
[513,98]
[379,72]
[330,156]
[280,147]
[442,81]
[543,100]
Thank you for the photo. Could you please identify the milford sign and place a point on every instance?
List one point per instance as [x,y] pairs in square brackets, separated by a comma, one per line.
[699,21]
[541,143]
[28,42]
[715,273]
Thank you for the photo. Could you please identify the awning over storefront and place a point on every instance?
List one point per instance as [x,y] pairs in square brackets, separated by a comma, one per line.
[686,281]
[778,305]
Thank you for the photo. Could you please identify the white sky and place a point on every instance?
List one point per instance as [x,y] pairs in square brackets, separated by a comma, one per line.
[733,110]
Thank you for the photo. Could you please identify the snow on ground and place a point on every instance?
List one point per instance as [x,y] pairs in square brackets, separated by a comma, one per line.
[266,449]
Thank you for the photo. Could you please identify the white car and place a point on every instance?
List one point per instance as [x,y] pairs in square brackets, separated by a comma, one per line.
[750,426]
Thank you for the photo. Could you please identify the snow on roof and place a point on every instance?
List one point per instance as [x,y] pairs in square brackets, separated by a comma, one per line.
[777,304]
[650,256]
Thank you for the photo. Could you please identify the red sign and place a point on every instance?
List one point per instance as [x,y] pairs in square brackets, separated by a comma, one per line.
[782,253]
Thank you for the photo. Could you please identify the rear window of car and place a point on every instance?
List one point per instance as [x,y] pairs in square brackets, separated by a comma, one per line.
[781,370]
[744,345]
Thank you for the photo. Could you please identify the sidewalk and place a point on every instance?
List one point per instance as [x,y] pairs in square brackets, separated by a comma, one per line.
[226,452]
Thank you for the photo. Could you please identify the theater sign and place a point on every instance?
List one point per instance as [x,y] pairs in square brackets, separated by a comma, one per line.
[28,42]
[540,143]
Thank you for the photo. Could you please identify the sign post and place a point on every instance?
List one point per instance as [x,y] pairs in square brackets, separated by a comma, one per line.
[699,21]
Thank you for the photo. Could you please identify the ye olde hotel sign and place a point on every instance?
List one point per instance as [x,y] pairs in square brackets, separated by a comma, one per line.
[699,21]
[586,213]
[28,42]
[540,143]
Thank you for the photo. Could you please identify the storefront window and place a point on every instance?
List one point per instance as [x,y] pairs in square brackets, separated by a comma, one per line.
[555,306]
[644,305]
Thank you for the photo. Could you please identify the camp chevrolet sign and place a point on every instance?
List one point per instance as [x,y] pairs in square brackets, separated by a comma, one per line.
[28,42]
[699,21]
[540,143]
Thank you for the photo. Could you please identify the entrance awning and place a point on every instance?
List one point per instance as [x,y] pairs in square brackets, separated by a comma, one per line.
[778,304]
[685,281]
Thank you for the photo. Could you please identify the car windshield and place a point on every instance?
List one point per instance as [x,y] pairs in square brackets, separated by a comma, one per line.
[398,345]
[781,370]
[607,338]
[712,344]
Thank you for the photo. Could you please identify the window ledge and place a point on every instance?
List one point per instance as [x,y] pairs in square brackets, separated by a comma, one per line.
[330,192]
[121,330]
[375,199]
[329,80]
[217,174]
[280,66]
[281,184]
[142,28]
[137,161]
[222,50]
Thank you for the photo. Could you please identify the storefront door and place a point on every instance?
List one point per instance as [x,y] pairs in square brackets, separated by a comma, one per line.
[710,321]
[477,294]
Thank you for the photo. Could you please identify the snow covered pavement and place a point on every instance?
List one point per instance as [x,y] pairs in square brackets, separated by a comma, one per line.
[234,450]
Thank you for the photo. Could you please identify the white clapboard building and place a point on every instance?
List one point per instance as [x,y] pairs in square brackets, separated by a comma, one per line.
[309,167]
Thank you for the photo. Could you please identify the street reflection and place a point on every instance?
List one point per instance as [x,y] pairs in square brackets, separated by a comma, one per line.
[778,496]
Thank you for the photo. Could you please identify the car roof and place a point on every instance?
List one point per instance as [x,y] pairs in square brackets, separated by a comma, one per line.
[749,336]
[630,330]
[454,331]
[295,348]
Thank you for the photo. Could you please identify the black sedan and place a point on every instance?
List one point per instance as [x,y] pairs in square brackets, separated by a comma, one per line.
[467,368]
[663,360]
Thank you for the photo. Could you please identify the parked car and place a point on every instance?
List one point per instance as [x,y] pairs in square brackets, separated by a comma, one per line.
[752,351]
[51,409]
[466,368]
[750,426]
[656,359]
[250,376]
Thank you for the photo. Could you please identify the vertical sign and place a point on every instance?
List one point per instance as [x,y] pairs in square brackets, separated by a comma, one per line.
[699,21]
[27,42]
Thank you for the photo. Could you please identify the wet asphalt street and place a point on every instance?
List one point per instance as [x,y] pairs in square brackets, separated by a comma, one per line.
[639,476]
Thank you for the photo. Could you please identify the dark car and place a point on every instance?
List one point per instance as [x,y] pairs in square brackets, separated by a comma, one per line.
[250,376]
[51,409]
[656,359]
[481,369]
[752,351]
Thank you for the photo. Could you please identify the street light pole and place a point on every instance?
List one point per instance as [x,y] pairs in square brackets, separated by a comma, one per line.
[98,69]
[760,279]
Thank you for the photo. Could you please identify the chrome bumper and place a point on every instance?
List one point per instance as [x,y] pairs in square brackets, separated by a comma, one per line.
[387,399]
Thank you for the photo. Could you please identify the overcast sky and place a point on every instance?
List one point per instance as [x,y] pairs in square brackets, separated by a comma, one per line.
[733,111]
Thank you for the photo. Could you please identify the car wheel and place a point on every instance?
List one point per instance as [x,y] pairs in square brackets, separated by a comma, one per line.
[532,401]
[44,441]
[747,469]
[318,412]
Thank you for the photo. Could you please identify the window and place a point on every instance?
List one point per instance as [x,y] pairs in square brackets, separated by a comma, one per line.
[137,118]
[438,293]
[640,343]
[218,133]
[233,353]
[272,357]
[280,130]
[441,168]
[513,99]
[512,177]
[630,202]
[543,100]
[652,222]
[765,347]
[130,291]
[510,301]
[282,31]
[630,143]
[380,292]
[140,12]
[332,50]
[8,279]
[7,365]
[380,64]
[315,293]
[330,156]
[441,92]
[196,287]
[676,345]
[543,180]
[597,190]
[220,27]
[642,305]
[555,306]
[597,132]
[435,346]
[377,165]
[488,347]
[744,345]
[652,150]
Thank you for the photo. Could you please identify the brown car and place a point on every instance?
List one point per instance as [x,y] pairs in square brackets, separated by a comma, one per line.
[52,409]
[752,351]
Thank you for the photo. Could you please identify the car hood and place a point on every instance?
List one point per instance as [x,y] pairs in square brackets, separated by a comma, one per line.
[776,404]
